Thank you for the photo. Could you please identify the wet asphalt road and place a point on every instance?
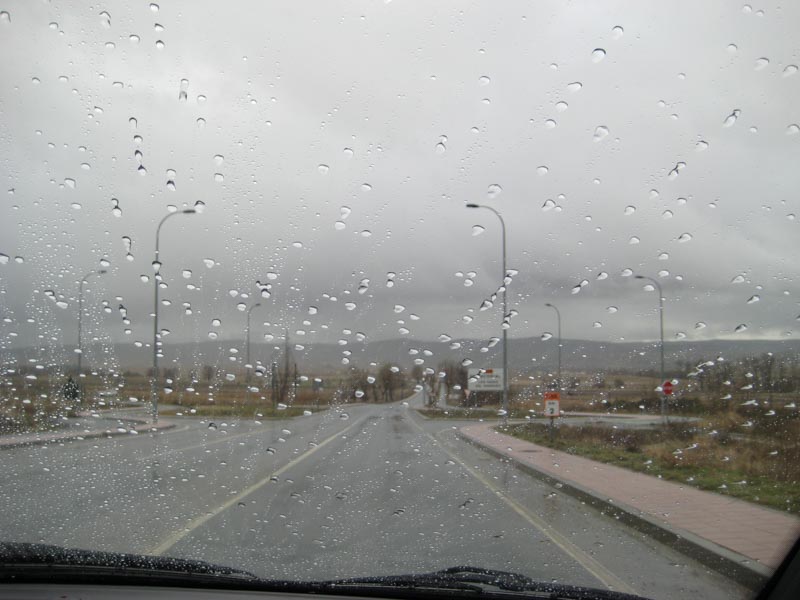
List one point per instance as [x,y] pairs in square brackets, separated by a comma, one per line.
[359,490]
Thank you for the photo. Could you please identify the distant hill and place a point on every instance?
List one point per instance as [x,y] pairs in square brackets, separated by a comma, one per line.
[525,354]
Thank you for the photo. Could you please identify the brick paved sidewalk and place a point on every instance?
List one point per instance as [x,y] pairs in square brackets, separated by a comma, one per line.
[759,533]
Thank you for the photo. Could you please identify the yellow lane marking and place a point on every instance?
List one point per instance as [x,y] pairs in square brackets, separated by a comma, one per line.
[173,539]
[605,576]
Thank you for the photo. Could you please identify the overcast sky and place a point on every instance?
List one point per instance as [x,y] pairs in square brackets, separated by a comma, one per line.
[333,143]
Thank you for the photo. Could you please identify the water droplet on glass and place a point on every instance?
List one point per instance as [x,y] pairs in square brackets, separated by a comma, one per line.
[667,214]
[699,325]
[477,230]
[154,7]
[339,225]
[612,309]
[561,106]
[160,44]
[323,169]
[219,177]
[761,63]
[546,336]
[617,32]
[740,328]
[5,17]
[629,210]
[542,170]
[598,54]
[753,299]
[440,148]
[494,191]
[789,70]
[484,80]
[550,123]
[685,237]
[574,86]
[600,133]
[731,118]
[701,145]
[793,129]
[365,187]
[634,240]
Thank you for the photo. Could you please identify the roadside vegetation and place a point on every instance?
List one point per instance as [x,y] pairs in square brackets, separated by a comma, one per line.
[738,453]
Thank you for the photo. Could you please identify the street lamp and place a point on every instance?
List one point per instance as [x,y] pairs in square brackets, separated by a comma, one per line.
[558,314]
[661,324]
[80,315]
[156,281]
[505,310]
[249,365]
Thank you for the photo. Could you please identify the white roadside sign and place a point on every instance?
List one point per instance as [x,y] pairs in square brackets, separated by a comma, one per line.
[485,380]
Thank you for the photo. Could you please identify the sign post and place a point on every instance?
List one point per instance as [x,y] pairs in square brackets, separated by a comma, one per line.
[552,409]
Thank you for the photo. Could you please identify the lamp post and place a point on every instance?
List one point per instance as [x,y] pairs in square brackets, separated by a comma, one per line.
[558,314]
[661,330]
[505,310]
[80,316]
[156,282]
[249,365]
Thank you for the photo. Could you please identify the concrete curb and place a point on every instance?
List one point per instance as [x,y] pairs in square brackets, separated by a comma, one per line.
[742,569]
[78,436]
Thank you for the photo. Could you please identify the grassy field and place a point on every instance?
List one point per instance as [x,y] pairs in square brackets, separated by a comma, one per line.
[762,466]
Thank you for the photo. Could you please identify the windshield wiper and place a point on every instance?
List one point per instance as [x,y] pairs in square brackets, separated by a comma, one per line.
[486,582]
[28,563]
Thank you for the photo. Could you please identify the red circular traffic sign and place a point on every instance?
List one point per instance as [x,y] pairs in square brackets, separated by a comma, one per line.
[667,388]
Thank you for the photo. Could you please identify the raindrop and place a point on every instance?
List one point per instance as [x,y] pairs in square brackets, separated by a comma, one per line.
[731,118]
[740,328]
[701,145]
[738,279]
[339,225]
[630,209]
[684,237]
[793,129]
[209,262]
[574,86]
[201,122]
[348,152]
[617,32]
[154,7]
[753,299]
[323,169]
[762,63]
[546,336]
[600,133]
[548,204]
[550,123]
[186,273]
[160,44]
[440,148]
[634,240]
[365,187]
[170,185]
[667,214]
[542,170]
[494,191]
[612,309]
[484,80]
[561,106]
[478,229]
[5,17]
[598,54]
[699,325]
[790,70]
[602,275]
[733,48]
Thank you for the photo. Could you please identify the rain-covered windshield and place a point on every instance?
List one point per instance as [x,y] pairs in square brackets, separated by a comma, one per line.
[329,289]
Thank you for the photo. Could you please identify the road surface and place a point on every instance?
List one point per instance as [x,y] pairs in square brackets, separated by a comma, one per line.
[357,490]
